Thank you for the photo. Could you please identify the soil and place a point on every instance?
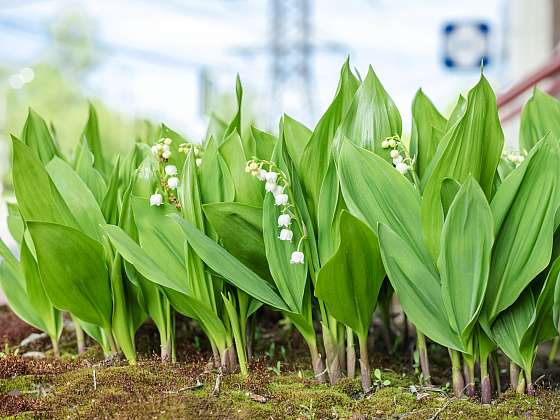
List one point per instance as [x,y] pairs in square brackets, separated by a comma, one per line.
[280,384]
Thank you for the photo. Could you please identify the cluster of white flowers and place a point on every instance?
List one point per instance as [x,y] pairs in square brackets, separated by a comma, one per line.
[169,182]
[185,147]
[277,183]
[514,157]
[401,162]
[162,149]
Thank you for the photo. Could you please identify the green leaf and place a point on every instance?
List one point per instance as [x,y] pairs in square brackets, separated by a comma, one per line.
[37,136]
[216,128]
[540,116]
[233,271]
[78,198]
[428,126]
[247,189]
[234,220]
[235,124]
[350,281]
[216,182]
[73,271]
[317,153]
[41,304]
[83,165]
[93,138]
[110,206]
[464,261]
[417,287]
[371,118]
[473,146]
[15,222]
[524,209]
[264,143]
[296,136]
[37,197]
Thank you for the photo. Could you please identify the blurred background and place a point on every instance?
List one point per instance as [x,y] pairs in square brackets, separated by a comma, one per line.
[174,61]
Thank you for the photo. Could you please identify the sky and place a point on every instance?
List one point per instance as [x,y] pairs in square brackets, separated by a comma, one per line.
[152,52]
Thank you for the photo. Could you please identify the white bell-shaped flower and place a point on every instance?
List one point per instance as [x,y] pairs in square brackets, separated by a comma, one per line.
[155,149]
[398,160]
[156,199]
[270,187]
[284,220]
[395,154]
[170,170]
[297,257]
[281,199]
[166,154]
[286,235]
[402,167]
[271,176]
[262,175]
[173,182]
[167,141]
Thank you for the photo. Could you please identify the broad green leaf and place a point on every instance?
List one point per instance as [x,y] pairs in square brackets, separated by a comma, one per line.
[317,153]
[524,209]
[37,136]
[12,282]
[232,221]
[349,282]
[73,271]
[223,263]
[457,113]
[428,126]
[37,197]
[199,280]
[464,261]
[376,193]
[78,198]
[264,143]
[83,165]
[110,206]
[417,287]
[216,182]
[540,116]
[296,137]
[41,304]
[330,202]
[235,123]
[216,128]
[93,138]
[15,222]
[371,118]
[247,189]
[473,146]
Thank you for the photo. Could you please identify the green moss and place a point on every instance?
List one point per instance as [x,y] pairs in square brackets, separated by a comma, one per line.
[20,384]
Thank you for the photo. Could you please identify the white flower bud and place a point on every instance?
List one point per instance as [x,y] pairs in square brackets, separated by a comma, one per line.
[297,257]
[402,167]
[262,175]
[155,149]
[170,170]
[397,160]
[156,200]
[271,176]
[392,143]
[286,235]
[279,189]
[198,161]
[270,187]
[284,220]
[395,154]
[253,166]
[385,144]
[167,141]
[165,148]
[173,182]
[281,199]
[166,154]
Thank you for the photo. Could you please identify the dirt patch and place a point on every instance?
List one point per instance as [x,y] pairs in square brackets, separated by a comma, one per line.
[12,329]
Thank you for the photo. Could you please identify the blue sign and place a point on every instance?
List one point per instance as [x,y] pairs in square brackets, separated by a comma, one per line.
[466,44]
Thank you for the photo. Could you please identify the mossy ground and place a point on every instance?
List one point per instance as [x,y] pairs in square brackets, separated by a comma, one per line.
[86,386]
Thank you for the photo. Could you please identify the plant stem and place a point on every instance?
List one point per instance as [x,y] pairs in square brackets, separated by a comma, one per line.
[80,339]
[54,342]
[520,389]
[364,363]
[111,340]
[485,384]
[423,353]
[316,360]
[457,375]
[239,345]
[553,350]
[250,335]
[530,385]
[496,371]
[513,375]
[350,353]
[468,363]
